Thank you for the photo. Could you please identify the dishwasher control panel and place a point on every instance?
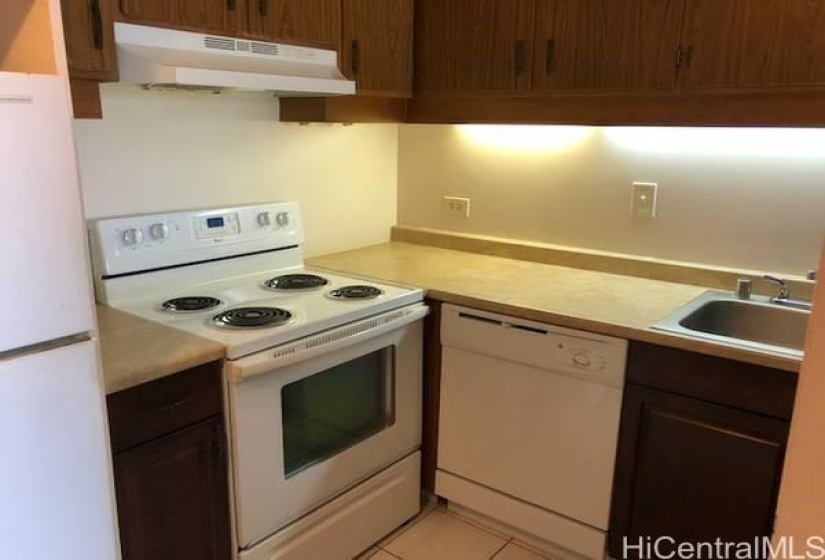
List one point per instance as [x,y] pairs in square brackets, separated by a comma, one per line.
[589,356]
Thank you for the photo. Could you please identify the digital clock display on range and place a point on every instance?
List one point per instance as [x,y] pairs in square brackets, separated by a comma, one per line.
[215,222]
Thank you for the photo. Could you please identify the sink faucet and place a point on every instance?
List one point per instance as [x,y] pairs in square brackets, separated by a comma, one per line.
[783,296]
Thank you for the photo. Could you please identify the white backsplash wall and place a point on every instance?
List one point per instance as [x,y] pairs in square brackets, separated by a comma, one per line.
[162,151]
[743,198]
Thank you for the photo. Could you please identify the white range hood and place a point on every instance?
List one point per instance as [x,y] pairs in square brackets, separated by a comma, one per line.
[166,57]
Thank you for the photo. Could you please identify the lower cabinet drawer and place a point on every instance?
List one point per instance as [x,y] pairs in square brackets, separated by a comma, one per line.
[159,407]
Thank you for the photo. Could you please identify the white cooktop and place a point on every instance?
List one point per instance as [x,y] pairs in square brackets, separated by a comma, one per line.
[142,261]
[313,311]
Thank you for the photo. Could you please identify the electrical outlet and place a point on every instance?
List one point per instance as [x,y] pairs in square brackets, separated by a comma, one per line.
[643,200]
[456,205]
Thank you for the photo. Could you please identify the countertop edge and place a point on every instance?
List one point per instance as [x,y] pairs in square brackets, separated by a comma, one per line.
[630,332]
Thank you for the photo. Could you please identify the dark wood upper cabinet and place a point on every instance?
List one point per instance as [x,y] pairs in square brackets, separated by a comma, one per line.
[216,16]
[90,47]
[377,46]
[606,44]
[90,52]
[472,46]
[376,52]
[308,22]
[736,44]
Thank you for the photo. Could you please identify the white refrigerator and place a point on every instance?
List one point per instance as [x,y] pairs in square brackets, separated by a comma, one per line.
[56,491]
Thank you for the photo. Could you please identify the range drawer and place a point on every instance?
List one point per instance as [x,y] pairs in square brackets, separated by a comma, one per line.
[157,408]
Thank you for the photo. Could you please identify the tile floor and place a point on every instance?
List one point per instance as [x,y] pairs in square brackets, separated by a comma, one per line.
[439,534]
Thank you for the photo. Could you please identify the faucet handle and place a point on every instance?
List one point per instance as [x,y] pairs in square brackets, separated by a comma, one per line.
[784,292]
[743,288]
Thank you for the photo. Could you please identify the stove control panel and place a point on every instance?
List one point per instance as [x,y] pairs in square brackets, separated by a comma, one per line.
[144,242]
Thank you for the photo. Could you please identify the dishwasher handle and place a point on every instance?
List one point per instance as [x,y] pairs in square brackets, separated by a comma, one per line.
[505,324]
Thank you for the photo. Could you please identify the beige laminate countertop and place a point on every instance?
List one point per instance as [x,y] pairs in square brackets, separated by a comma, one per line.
[610,304]
[136,351]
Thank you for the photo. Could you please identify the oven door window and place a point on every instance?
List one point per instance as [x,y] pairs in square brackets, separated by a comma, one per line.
[332,410]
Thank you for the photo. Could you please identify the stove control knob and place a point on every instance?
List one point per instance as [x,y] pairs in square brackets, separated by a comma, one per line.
[132,237]
[282,219]
[265,219]
[159,231]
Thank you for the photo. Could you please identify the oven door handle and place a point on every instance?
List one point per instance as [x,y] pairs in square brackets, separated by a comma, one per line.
[323,343]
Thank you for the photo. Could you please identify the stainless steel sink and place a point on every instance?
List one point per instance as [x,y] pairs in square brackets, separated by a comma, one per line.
[754,323]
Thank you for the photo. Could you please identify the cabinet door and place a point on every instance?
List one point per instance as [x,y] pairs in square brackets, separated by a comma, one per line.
[606,44]
[754,43]
[311,22]
[215,16]
[172,496]
[377,46]
[90,48]
[472,46]
[693,471]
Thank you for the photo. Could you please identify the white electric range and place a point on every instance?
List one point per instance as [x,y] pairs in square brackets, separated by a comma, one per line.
[322,378]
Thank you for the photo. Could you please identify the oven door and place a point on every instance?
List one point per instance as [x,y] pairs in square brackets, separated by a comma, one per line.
[310,419]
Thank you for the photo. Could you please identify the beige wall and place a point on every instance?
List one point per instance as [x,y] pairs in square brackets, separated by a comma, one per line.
[161,151]
[743,198]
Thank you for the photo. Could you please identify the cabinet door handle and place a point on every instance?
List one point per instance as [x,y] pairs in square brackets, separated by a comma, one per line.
[550,57]
[520,46]
[97,24]
[355,56]
[230,4]
[263,8]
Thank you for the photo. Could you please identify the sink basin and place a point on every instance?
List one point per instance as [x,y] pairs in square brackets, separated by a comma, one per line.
[754,323]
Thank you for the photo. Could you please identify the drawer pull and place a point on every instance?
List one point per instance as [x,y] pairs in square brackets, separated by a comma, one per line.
[170,408]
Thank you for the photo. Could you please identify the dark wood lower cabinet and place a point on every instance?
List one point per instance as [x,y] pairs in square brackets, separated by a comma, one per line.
[691,470]
[171,494]
[170,467]
[697,471]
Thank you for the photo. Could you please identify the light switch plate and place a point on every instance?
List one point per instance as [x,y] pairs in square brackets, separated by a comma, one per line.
[643,200]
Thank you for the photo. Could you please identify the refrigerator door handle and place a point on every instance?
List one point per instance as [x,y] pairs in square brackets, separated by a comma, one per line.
[45,346]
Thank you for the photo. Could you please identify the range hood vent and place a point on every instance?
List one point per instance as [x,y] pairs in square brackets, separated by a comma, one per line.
[153,56]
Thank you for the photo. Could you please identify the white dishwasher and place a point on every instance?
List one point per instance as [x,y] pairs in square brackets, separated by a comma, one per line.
[529,421]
